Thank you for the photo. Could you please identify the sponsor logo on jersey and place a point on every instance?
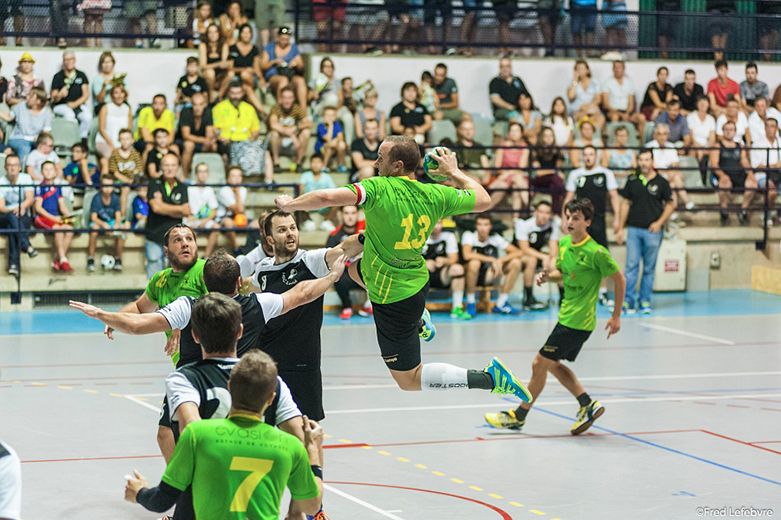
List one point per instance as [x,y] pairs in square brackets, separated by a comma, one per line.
[599,180]
[653,189]
[290,278]
[533,237]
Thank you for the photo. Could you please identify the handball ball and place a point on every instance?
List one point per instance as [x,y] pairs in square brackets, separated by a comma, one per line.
[107,262]
[240,220]
[430,165]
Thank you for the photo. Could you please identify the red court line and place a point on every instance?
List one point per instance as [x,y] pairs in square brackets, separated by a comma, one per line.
[502,513]
[740,442]
[336,446]
[87,459]
[765,442]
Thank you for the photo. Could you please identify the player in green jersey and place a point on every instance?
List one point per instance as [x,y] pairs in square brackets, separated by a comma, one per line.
[581,265]
[400,216]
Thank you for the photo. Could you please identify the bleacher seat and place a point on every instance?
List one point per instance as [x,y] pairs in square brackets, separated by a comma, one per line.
[215,164]
[484,134]
[443,129]
[66,134]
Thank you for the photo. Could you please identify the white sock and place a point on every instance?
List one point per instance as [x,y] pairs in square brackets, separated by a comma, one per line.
[458,299]
[470,298]
[442,376]
[502,299]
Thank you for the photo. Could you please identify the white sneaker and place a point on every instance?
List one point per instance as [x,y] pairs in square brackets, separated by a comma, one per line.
[674,217]
[309,225]
[327,225]
[690,205]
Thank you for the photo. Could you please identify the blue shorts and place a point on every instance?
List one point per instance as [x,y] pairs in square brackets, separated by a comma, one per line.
[614,15]
[582,19]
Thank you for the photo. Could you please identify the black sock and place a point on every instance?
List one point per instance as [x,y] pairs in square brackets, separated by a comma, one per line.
[520,413]
[479,379]
[561,292]
[527,293]
[584,399]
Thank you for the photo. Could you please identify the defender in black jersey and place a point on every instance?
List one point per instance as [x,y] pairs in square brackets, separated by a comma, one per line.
[538,239]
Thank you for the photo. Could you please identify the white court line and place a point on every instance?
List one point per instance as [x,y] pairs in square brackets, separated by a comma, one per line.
[386,514]
[142,403]
[687,333]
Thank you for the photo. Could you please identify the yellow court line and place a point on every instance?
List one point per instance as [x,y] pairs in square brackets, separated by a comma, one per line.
[402,459]
[384,453]
[537,512]
[457,480]
[475,488]
[90,391]
[438,473]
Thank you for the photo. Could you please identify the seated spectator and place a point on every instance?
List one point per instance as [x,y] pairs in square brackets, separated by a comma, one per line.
[702,125]
[317,178]
[529,117]
[584,95]
[588,137]
[231,21]
[511,164]
[15,206]
[283,65]
[70,94]
[30,119]
[538,239]
[547,160]
[150,118]
[620,159]
[323,90]
[232,200]
[346,285]
[44,152]
[666,160]
[80,172]
[235,120]
[560,122]
[140,206]
[618,95]
[732,169]
[490,260]
[504,91]
[409,112]
[105,80]
[106,216]
[428,96]
[445,272]
[190,84]
[369,111]
[471,155]
[766,163]
[752,88]
[364,151]
[688,92]
[447,94]
[679,129]
[762,111]
[330,140]
[244,59]
[113,117]
[196,130]
[204,205]
[657,95]
[721,89]
[213,60]
[154,156]
[21,83]
[125,165]
[52,213]
[733,113]
[289,128]
[202,19]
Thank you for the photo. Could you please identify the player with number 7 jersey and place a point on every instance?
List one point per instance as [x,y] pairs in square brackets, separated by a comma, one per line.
[400,215]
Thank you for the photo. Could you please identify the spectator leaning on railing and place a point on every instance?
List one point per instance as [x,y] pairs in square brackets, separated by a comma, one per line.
[15,211]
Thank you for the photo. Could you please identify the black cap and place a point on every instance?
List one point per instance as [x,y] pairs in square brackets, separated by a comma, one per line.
[284,30]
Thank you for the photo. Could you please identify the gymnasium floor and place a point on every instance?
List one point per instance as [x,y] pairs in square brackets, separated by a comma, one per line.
[692,397]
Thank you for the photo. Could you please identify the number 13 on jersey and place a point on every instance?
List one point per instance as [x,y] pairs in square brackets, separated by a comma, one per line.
[424,223]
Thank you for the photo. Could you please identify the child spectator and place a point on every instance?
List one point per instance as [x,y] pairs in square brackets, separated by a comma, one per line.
[317,178]
[141,206]
[80,172]
[155,155]
[105,215]
[44,152]
[189,84]
[330,140]
[428,96]
[124,165]
[52,213]
[203,203]
[232,199]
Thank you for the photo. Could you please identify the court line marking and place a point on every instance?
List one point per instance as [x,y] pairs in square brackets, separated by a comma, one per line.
[142,403]
[687,333]
[370,507]
[749,444]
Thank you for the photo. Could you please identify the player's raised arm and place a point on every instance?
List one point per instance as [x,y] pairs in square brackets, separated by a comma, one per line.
[127,322]
[448,165]
[318,199]
[310,290]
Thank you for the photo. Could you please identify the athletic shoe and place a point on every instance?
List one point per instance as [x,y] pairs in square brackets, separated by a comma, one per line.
[319,516]
[427,328]
[504,420]
[586,417]
[346,314]
[628,309]
[605,301]
[743,218]
[366,311]
[724,219]
[645,307]
[32,252]
[471,309]
[534,304]
[505,382]
[118,265]
[460,314]
[13,270]
[690,205]
[505,309]
[65,267]
[56,266]
[90,265]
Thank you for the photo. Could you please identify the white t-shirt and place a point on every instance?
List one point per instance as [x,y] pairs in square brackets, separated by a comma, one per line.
[741,125]
[10,483]
[562,129]
[527,230]
[761,156]
[248,262]
[447,238]
[700,129]
[179,311]
[313,260]
[494,246]
[226,197]
[10,194]
[202,200]
[36,159]
[663,157]
[619,93]
[574,179]
[756,125]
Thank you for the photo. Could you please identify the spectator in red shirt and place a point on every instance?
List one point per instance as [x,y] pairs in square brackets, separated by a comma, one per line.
[721,89]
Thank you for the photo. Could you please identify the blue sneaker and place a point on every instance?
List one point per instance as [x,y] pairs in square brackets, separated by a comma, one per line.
[427,328]
[505,382]
[506,309]
[471,309]
[645,307]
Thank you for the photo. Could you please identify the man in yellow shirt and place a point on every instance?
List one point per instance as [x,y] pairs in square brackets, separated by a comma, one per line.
[150,119]
[234,119]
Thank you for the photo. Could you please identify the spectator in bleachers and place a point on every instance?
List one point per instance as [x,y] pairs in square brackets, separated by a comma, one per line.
[70,93]
[657,95]
[428,96]
[232,200]
[126,166]
[364,151]
[504,10]
[490,260]
[330,140]
[323,89]
[469,26]
[618,95]
[720,22]
[235,120]
[113,117]
[560,122]
[447,93]
[584,95]
[318,178]
[732,169]
[620,159]
[142,10]
[588,137]
[529,117]
[190,84]
[688,92]
[283,65]
[30,119]
[512,163]
[471,155]
[766,162]
[768,27]
[44,152]
[154,157]
[752,88]
[615,22]
[679,129]
[213,60]
[666,159]
[79,171]
[196,130]
[547,160]
[52,213]
[702,126]
[269,14]
[666,24]
[756,121]
[21,83]
[202,19]
[538,239]
[231,21]
[150,118]
[104,80]
[504,91]
[140,206]
[410,113]
[345,285]
[289,128]
[549,14]
[734,114]
[369,111]
[105,216]
[244,59]
[721,89]
[203,204]
[15,206]
[583,23]
[14,8]
[168,205]
[445,272]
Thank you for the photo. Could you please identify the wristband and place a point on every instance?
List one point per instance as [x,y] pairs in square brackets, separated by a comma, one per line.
[317,470]
[361,238]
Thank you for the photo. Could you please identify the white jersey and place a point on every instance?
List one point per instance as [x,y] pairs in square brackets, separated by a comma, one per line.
[537,236]
[249,262]
[444,245]
[494,246]
[10,483]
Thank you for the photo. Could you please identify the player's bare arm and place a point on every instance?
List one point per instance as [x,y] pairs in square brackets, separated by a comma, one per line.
[186,414]
[350,248]
[318,199]
[127,322]
[448,165]
[614,323]
[310,290]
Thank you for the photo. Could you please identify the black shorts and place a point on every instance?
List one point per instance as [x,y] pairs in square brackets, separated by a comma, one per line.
[435,278]
[564,343]
[306,386]
[597,230]
[738,179]
[483,274]
[165,414]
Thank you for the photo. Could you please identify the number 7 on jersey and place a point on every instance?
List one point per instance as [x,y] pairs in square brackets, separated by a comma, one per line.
[258,469]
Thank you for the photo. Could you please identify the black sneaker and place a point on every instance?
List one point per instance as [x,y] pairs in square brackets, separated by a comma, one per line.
[724,219]
[743,218]
[90,265]
[533,304]
[117,264]
[13,270]
[32,252]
